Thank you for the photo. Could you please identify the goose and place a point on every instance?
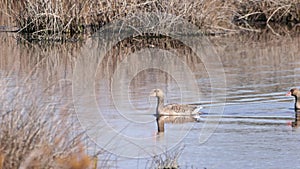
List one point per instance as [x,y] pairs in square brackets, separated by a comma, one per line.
[296,93]
[174,109]
[178,111]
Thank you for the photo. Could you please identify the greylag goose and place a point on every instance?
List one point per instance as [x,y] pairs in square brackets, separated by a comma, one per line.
[173,109]
[296,93]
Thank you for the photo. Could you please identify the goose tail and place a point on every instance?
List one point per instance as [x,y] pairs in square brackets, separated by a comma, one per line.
[196,113]
[197,110]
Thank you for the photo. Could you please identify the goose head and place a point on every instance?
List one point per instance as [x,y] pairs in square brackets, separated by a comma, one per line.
[294,92]
[157,93]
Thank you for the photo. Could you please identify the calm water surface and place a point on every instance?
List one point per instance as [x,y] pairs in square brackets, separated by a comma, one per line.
[253,132]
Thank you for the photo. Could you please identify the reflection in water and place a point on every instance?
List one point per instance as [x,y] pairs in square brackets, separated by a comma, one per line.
[47,63]
[161,120]
[159,70]
[296,122]
[258,72]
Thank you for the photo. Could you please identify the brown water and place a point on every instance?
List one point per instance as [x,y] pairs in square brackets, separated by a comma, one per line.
[253,132]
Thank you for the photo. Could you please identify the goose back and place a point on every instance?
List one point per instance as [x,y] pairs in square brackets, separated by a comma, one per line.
[173,109]
[180,109]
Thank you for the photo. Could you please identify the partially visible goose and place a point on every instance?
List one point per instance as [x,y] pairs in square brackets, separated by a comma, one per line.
[296,93]
[173,109]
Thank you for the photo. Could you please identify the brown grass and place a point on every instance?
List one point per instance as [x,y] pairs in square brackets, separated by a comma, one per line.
[37,132]
[282,11]
[55,19]
[167,160]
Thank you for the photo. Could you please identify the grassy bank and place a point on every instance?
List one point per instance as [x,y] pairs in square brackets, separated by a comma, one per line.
[50,19]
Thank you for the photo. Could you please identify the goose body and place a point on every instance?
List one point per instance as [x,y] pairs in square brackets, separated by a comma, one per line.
[296,93]
[173,109]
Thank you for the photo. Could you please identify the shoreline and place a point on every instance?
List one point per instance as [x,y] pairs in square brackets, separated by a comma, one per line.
[61,19]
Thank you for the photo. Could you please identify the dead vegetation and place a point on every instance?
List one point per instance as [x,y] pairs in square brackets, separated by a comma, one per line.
[37,132]
[167,160]
[55,19]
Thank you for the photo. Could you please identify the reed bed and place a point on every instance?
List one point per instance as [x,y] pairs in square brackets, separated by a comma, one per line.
[55,19]
[266,11]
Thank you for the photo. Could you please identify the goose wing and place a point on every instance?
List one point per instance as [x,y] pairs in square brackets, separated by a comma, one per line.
[181,109]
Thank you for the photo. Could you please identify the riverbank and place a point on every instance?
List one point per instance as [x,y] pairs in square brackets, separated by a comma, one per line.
[62,19]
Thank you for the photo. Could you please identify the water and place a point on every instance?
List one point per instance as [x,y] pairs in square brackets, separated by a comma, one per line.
[253,130]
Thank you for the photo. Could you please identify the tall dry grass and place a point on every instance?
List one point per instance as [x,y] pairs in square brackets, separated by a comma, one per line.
[282,11]
[36,131]
[268,14]
[51,19]
[167,160]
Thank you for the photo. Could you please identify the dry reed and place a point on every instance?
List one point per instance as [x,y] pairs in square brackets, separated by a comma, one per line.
[55,19]
[166,160]
[36,131]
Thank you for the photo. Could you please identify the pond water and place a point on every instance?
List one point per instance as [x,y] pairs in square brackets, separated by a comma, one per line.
[252,132]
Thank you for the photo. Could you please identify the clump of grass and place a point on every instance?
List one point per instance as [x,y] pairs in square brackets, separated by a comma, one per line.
[284,11]
[268,14]
[167,160]
[49,19]
[37,132]
[58,19]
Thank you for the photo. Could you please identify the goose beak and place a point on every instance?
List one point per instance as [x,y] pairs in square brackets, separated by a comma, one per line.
[288,94]
[152,94]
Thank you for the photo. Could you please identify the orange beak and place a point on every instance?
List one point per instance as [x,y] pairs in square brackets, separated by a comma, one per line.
[288,94]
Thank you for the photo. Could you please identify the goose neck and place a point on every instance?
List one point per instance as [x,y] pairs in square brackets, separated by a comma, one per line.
[160,103]
[160,124]
[297,103]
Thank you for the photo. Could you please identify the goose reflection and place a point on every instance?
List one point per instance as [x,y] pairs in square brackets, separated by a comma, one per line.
[296,122]
[173,113]
[161,120]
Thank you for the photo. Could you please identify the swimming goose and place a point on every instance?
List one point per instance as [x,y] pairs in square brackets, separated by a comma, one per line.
[296,93]
[173,109]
